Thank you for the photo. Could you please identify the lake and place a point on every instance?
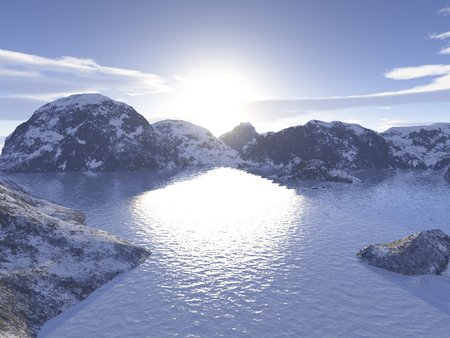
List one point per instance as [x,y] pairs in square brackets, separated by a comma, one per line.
[235,254]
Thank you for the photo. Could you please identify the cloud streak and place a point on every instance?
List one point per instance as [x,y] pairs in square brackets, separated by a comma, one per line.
[440,36]
[41,78]
[437,90]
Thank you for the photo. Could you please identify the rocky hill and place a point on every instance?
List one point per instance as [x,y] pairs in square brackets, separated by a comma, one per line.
[80,133]
[49,260]
[192,145]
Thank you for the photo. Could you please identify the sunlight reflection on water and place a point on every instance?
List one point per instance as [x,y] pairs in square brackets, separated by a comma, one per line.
[219,223]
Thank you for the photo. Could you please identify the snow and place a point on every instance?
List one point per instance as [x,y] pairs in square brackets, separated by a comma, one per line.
[406,144]
[94,164]
[79,141]
[356,128]
[48,136]
[445,127]
[196,145]
[78,100]
[248,257]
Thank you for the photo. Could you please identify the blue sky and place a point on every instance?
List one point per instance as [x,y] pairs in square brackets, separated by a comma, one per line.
[216,63]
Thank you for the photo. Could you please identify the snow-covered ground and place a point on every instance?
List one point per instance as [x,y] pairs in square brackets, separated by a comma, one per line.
[235,254]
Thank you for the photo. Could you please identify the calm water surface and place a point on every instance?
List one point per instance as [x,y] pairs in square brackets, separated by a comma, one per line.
[235,254]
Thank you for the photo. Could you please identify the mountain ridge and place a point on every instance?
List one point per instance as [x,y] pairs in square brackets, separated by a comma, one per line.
[91,132]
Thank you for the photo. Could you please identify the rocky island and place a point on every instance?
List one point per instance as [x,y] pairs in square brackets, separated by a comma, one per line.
[50,260]
[425,252]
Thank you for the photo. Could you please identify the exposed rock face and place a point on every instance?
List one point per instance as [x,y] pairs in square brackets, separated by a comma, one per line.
[425,252]
[191,145]
[80,133]
[240,137]
[49,260]
[420,147]
[315,170]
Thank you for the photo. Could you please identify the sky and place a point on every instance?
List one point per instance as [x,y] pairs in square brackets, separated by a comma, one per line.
[378,63]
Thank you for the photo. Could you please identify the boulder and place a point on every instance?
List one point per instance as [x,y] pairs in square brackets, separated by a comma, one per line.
[425,252]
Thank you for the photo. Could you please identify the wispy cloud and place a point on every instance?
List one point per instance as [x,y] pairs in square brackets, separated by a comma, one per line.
[439,36]
[41,78]
[444,11]
[436,90]
[444,51]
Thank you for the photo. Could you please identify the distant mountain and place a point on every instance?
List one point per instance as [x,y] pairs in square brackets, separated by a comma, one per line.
[241,136]
[92,132]
[82,132]
[192,145]
[420,147]
[339,145]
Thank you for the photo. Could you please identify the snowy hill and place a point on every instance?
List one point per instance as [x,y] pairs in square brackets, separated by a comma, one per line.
[193,145]
[421,146]
[49,260]
[79,133]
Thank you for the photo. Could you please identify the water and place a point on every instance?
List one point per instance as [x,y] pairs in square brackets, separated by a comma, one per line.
[237,255]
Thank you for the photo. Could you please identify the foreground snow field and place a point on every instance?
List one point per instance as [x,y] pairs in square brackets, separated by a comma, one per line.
[235,254]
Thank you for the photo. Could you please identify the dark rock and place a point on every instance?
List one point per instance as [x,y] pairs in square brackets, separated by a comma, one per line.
[315,170]
[425,252]
[338,145]
[240,137]
[49,260]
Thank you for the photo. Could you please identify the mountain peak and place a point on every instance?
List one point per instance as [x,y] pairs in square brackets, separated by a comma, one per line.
[240,136]
[79,100]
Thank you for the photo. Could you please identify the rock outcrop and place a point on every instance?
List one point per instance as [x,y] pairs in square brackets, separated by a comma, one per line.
[315,170]
[49,260]
[241,136]
[425,252]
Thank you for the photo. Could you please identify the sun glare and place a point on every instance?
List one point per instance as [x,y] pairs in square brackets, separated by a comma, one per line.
[213,99]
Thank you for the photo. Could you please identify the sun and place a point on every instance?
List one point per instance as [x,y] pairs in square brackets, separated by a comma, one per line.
[213,99]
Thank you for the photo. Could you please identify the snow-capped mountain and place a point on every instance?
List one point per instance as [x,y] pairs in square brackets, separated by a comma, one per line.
[336,144]
[191,145]
[92,132]
[49,260]
[82,132]
[420,147]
